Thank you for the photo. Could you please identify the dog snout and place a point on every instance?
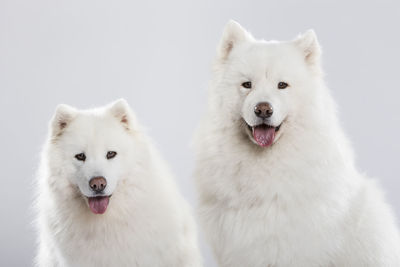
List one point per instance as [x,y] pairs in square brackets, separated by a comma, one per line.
[263,110]
[98,184]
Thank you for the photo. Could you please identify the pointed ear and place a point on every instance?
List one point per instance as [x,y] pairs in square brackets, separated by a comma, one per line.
[62,118]
[233,35]
[309,46]
[122,112]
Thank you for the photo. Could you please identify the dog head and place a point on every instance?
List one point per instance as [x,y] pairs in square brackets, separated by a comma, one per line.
[91,149]
[263,86]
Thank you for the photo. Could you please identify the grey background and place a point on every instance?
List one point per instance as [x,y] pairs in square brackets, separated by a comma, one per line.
[158,55]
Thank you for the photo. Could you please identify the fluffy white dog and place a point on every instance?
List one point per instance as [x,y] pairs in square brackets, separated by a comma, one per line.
[275,172]
[106,197]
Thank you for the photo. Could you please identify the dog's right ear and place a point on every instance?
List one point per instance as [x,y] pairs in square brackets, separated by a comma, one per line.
[122,112]
[309,46]
[233,35]
[62,118]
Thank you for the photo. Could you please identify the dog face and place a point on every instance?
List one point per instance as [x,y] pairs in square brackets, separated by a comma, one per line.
[92,149]
[263,84]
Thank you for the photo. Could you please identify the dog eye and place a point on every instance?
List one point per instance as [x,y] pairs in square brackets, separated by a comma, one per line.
[246,85]
[282,85]
[80,156]
[111,154]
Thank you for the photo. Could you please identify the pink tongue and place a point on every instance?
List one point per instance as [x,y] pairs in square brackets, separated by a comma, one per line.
[98,205]
[264,135]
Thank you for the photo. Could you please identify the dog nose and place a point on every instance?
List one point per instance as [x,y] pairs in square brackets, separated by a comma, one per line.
[263,110]
[98,184]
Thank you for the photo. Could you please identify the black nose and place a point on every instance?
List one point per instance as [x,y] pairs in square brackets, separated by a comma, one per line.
[263,110]
[98,184]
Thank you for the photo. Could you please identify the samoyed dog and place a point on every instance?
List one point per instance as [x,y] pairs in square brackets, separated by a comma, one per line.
[275,173]
[106,198]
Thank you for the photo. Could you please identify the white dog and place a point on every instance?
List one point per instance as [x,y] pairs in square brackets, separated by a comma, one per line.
[106,198]
[275,172]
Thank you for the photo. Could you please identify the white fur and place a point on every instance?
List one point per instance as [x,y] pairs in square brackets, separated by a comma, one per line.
[301,201]
[147,222]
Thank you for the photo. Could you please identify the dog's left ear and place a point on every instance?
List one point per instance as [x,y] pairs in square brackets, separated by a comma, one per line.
[122,112]
[310,47]
[233,35]
[61,119]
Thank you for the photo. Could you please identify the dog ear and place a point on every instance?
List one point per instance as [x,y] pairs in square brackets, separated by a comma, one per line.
[62,118]
[310,47]
[122,112]
[233,35]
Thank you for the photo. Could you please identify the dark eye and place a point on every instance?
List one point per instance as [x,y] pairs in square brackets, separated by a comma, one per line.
[246,85]
[80,156]
[282,85]
[111,154]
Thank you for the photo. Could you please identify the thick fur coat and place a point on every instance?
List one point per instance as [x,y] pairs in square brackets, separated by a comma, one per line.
[283,190]
[146,222]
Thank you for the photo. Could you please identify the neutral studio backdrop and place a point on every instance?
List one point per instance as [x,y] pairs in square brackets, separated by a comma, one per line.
[157,55]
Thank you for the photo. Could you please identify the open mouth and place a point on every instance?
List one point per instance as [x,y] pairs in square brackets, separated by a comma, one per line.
[99,204]
[264,134]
